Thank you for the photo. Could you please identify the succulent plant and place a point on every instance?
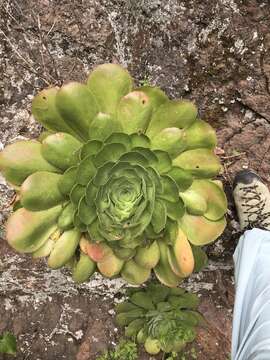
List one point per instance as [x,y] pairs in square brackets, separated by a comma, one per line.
[121,181]
[161,318]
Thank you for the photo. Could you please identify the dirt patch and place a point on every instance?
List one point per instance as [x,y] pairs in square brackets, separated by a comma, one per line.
[215,52]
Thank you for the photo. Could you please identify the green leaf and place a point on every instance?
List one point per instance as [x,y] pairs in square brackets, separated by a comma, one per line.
[157,292]
[86,171]
[102,175]
[45,112]
[175,113]
[67,180]
[182,178]
[77,106]
[200,258]
[134,158]
[110,152]
[170,189]
[148,154]
[40,191]
[202,163]
[61,150]
[171,231]
[103,126]
[134,112]
[175,210]
[78,223]
[148,256]
[140,140]
[109,83]
[119,138]
[164,162]
[86,213]
[142,300]
[65,220]
[162,270]
[77,192]
[83,269]
[213,197]
[134,274]
[156,95]
[92,147]
[21,159]
[64,248]
[133,328]
[171,140]
[201,231]
[8,344]
[27,231]
[159,216]
[200,135]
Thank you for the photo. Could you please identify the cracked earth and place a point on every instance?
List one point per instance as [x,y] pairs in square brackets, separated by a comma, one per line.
[216,53]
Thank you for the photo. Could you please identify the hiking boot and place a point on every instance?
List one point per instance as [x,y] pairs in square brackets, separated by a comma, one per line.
[252,200]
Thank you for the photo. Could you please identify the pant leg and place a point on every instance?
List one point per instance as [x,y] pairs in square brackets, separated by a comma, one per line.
[251,319]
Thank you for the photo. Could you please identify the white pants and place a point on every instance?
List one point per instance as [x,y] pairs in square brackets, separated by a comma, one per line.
[251,319]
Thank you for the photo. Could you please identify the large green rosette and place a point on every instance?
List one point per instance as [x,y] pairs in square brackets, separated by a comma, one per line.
[121,182]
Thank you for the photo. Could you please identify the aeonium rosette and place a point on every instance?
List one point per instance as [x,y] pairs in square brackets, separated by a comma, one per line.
[121,182]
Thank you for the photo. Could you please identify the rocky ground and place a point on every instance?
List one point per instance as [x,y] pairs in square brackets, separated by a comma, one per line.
[215,52]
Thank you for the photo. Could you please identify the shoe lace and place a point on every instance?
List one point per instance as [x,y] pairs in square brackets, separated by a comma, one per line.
[256,208]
